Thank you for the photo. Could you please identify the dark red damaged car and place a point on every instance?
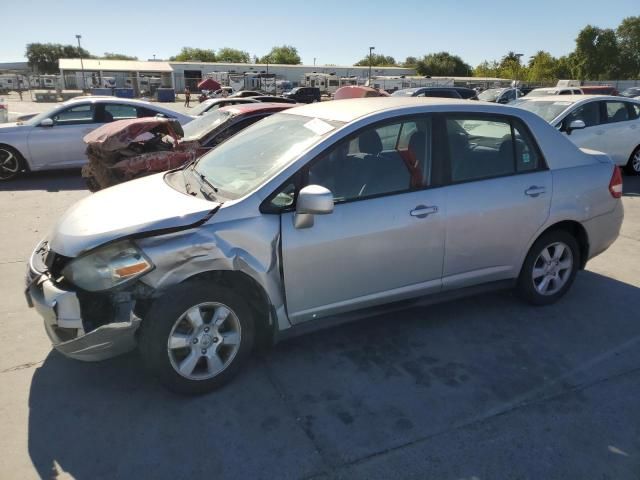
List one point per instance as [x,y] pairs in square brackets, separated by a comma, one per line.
[128,149]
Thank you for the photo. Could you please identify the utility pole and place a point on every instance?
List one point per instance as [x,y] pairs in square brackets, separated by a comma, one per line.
[371,49]
[84,84]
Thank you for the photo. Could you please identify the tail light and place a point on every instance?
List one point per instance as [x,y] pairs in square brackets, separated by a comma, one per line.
[615,185]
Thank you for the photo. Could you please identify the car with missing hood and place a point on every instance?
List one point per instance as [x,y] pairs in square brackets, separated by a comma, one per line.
[317,215]
[128,149]
[53,139]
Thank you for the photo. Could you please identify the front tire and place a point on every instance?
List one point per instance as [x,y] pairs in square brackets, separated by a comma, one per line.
[550,268]
[633,165]
[11,163]
[196,337]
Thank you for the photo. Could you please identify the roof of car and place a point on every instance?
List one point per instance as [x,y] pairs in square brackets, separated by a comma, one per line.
[572,98]
[351,109]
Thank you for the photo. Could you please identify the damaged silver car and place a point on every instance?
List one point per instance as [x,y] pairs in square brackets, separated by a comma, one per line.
[316,215]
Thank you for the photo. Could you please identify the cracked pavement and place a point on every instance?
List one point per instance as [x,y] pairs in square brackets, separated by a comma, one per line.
[480,388]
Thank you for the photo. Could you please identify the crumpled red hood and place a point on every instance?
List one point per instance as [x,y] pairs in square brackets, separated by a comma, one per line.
[121,133]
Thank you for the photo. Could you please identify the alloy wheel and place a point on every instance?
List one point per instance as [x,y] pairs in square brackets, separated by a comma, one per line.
[635,162]
[204,341]
[9,164]
[552,269]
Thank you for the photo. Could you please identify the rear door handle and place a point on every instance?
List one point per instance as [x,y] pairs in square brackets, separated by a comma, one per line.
[534,191]
[422,211]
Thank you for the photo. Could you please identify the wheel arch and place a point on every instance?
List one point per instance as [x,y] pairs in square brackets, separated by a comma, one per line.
[261,308]
[577,231]
[23,158]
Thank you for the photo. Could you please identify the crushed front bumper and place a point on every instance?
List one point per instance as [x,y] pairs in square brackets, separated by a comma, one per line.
[64,325]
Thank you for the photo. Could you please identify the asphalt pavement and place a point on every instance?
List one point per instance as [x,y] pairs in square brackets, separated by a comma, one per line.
[480,388]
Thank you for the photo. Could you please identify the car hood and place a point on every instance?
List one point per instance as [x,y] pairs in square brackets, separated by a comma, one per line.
[12,127]
[132,208]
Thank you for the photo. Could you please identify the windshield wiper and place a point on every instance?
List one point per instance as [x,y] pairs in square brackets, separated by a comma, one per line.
[206,187]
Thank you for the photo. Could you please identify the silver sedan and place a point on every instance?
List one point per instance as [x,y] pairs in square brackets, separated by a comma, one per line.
[316,215]
[53,140]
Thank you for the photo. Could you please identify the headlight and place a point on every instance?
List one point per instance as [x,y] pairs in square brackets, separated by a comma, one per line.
[107,267]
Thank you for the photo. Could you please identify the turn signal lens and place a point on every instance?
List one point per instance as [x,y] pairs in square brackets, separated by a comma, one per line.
[615,185]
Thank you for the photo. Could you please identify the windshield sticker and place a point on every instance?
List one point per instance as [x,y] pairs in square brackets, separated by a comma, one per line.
[319,127]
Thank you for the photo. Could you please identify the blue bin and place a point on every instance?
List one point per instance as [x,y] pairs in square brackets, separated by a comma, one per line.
[123,92]
[166,95]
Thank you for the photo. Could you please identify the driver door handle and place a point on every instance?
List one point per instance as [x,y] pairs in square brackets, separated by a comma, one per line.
[534,191]
[422,211]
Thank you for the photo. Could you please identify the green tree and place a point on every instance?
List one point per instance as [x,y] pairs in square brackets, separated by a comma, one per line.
[510,67]
[597,54]
[566,67]
[410,62]
[232,55]
[190,54]
[117,56]
[443,64]
[542,67]
[628,34]
[285,55]
[486,69]
[43,57]
[377,60]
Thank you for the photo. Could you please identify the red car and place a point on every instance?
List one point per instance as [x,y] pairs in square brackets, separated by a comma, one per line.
[128,149]
[354,91]
[599,90]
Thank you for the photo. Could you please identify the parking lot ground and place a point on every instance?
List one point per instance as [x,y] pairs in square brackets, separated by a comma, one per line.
[480,388]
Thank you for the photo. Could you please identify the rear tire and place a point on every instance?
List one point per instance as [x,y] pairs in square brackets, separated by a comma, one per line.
[550,268]
[633,165]
[12,163]
[196,337]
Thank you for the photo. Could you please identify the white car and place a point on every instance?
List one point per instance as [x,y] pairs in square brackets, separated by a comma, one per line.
[53,140]
[608,124]
[545,92]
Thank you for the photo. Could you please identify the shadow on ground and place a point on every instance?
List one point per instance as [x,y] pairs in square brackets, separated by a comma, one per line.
[631,185]
[343,397]
[50,181]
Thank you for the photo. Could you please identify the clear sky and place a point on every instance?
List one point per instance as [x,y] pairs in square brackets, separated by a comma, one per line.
[335,32]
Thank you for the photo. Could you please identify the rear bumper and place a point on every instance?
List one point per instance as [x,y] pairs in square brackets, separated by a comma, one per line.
[603,230]
[61,312]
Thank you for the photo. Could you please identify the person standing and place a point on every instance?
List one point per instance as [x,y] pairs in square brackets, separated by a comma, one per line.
[187,96]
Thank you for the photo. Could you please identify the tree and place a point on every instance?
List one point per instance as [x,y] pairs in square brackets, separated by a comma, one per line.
[117,56]
[443,64]
[628,34]
[597,53]
[232,55]
[510,67]
[190,54]
[377,60]
[43,57]
[486,69]
[542,67]
[410,62]
[285,55]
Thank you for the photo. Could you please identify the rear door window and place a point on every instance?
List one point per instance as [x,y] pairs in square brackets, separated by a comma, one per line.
[617,112]
[114,111]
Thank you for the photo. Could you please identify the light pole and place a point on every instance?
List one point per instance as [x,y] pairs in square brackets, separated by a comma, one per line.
[517,55]
[371,49]
[84,84]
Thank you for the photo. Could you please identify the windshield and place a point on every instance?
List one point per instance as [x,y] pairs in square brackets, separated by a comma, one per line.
[541,93]
[490,95]
[202,125]
[203,107]
[403,93]
[631,92]
[253,156]
[547,110]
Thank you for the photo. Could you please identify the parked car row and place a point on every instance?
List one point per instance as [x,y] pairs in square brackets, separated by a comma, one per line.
[316,215]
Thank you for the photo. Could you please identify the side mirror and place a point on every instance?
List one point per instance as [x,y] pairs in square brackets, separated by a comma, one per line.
[312,200]
[47,122]
[575,125]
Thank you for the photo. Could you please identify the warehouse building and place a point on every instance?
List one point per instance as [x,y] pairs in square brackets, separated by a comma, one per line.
[130,73]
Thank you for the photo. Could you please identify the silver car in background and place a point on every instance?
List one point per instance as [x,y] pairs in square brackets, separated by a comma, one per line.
[317,215]
[607,124]
[53,139]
